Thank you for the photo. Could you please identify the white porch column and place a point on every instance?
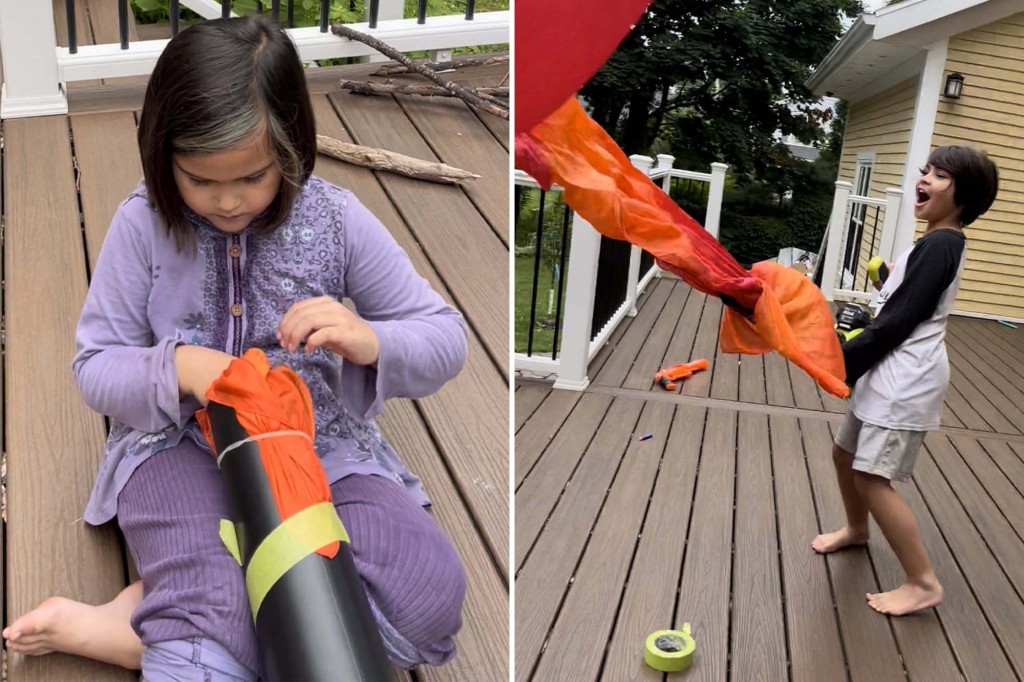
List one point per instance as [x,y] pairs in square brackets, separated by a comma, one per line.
[893,201]
[29,43]
[581,283]
[925,108]
[715,195]
[833,258]
[665,162]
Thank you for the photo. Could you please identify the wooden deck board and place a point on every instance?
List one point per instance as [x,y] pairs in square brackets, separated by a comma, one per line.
[460,139]
[757,602]
[655,572]
[460,244]
[618,366]
[542,580]
[651,357]
[531,442]
[485,614]
[477,449]
[816,651]
[748,572]
[529,397]
[588,613]
[704,347]
[53,441]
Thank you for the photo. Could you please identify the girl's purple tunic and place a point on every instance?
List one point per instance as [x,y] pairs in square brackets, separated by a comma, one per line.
[146,298]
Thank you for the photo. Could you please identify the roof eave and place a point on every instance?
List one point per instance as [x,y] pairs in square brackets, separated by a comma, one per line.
[860,34]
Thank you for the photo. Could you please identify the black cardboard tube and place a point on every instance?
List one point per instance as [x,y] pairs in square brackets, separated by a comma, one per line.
[315,624]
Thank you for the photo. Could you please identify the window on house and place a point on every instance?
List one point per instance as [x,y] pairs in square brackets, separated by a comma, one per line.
[855,228]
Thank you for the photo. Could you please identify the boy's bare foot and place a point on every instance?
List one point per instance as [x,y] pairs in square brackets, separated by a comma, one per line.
[906,599]
[844,537]
[61,625]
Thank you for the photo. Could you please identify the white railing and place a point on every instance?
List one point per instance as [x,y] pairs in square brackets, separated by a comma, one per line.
[36,69]
[578,346]
[859,229]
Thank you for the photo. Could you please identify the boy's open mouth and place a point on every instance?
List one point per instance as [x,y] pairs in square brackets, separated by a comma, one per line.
[922,196]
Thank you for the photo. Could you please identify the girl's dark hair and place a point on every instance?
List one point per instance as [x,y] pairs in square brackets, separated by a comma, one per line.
[975,179]
[218,83]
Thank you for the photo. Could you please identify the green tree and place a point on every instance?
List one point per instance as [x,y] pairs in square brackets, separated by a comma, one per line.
[713,80]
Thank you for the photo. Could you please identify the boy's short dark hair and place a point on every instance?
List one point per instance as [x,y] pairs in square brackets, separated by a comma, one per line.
[216,84]
[975,178]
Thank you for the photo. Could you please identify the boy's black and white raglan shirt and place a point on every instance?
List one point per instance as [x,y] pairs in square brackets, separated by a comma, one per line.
[898,365]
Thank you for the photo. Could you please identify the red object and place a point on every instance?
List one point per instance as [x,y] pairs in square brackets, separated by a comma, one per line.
[782,310]
[560,45]
[272,401]
[668,376]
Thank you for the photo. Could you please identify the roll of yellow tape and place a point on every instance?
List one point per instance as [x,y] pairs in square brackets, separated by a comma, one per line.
[670,651]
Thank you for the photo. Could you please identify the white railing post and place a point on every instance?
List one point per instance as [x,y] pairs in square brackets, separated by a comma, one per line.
[646,165]
[833,258]
[715,195]
[893,201]
[581,283]
[665,162]
[29,43]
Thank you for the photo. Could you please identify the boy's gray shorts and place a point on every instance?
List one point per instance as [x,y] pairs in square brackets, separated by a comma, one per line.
[889,453]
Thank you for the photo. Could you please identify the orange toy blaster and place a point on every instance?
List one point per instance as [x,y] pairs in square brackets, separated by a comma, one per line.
[667,377]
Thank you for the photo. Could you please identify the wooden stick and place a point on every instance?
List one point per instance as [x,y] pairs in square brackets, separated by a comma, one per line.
[387,50]
[392,162]
[367,88]
[441,67]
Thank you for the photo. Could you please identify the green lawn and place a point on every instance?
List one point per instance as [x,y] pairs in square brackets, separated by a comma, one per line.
[543,328]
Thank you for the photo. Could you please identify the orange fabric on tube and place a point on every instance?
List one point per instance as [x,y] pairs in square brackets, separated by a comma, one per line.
[789,313]
[268,400]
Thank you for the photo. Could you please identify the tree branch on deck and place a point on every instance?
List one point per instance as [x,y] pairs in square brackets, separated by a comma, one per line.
[441,67]
[368,88]
[392,162]
[481,103]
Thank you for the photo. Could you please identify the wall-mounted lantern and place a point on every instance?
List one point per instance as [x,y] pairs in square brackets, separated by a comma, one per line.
[954,86]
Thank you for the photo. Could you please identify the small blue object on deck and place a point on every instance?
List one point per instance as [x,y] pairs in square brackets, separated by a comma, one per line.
[646,436]
[1007,324]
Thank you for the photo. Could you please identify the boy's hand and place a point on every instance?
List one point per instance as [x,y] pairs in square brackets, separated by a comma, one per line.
[325,322]
[198,368]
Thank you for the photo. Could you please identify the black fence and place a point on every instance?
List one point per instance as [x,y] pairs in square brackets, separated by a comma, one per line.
[612,282]
[273,7]
[544,237]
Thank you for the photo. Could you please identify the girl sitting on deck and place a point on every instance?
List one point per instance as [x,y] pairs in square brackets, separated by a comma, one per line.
[231,244]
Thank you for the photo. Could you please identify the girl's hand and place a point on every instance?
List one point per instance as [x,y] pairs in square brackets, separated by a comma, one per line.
[325,322]
[198,368]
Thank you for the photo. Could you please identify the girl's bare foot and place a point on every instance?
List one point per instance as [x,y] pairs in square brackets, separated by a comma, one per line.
[844,537]
[907,598]
[61,625]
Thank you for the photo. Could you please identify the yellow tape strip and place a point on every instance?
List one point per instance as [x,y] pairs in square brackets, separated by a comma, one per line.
[230,539]
[287,545]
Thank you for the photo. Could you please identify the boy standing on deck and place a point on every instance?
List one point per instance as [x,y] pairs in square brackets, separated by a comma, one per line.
[899,372]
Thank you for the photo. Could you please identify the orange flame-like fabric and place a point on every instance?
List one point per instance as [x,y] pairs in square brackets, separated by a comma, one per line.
[269,400]
[790,314]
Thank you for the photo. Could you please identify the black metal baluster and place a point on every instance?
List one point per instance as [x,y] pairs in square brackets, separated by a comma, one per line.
[374,11]
[275,10]
[421,12]
[225,9]
[536,275]
[174,17]
[470,6]
[291,13]
[122,21]
[69,7]
[561,282]
[325,14]
[259,7]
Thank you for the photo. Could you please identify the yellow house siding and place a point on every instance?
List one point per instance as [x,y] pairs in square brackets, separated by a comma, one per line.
[880,125]
[991,116]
